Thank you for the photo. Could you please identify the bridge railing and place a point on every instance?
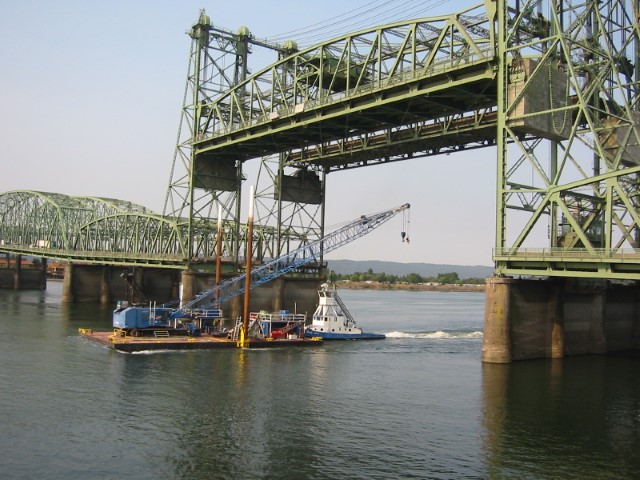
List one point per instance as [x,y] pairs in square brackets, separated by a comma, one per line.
[124,258]
[559,254]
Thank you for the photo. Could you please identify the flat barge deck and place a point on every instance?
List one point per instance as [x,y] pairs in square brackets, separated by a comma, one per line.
[129,344]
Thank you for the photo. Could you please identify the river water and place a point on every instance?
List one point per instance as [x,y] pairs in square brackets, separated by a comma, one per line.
[417,405]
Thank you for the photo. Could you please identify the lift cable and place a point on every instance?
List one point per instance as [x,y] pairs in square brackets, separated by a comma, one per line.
[394,10]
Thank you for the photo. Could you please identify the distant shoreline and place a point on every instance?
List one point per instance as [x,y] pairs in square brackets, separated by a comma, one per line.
[390,286]
[409,286]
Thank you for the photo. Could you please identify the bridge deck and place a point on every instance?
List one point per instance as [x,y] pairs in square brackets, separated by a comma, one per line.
[317,130]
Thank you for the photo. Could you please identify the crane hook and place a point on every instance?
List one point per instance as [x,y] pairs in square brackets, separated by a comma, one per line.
[406,220]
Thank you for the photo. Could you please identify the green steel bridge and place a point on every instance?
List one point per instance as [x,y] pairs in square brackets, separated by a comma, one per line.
[550,86]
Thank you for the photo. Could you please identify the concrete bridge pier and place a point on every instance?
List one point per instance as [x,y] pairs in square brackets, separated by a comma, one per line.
[277,290]
[67,284]
[17,273]
[106,284]
[496,347]
[105,290]
[553,318]
[43,274]
[188,281]
[14,276]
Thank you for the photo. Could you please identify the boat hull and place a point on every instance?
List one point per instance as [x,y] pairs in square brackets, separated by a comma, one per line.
[343,336]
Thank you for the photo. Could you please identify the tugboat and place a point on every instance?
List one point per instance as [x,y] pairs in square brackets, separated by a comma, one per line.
[332,320]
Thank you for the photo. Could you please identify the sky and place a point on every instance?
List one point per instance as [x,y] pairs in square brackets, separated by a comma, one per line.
[90,98]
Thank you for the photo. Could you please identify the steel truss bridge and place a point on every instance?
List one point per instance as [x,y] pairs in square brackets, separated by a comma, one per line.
[550,86]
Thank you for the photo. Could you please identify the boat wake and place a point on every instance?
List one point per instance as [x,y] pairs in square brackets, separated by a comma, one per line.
[440,334]
[153,352]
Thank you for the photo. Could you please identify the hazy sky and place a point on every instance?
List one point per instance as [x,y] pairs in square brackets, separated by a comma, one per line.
[90,97]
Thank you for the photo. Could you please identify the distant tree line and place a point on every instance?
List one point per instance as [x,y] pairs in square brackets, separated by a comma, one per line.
[450,278]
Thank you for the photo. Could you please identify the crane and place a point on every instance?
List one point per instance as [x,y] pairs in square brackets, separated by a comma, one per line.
[278,267]
[138,320]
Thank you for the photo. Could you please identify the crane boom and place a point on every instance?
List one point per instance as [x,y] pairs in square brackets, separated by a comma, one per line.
[308,253]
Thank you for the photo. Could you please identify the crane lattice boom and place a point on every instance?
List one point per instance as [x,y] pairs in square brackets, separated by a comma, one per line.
[306,254]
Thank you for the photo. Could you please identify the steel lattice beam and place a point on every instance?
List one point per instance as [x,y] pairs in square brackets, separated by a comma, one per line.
[568,139]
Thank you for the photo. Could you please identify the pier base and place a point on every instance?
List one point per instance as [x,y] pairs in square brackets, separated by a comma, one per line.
[496,347]
[553,318]
[18,274]
[106,284]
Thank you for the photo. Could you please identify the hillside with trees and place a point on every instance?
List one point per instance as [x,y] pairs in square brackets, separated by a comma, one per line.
[445,278]
[424,270]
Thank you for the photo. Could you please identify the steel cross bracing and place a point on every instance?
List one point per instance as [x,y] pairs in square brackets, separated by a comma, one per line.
[568,139]
[384,91]
[95,230]
[310,253]
[413,88]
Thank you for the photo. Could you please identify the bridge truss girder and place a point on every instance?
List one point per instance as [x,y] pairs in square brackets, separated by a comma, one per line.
[51,220]
[389,93]
[110,231]
[393,76]
[568,139]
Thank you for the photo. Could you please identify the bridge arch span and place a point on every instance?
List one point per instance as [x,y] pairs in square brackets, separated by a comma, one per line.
[41,223]
[147,237]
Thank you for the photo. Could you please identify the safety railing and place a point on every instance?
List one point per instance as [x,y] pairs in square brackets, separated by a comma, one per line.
[558,254]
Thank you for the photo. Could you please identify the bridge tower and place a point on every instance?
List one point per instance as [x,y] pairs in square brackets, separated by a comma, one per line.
[568,141]
[200,182]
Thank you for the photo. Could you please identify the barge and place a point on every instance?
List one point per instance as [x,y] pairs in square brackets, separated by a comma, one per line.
[140,329]
[129,344]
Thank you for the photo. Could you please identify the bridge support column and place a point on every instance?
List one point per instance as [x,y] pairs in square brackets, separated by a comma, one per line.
[67,284]
[17,273]
[237,307]
[175,290]
[105,285]
[597,336]
[14,276]
[188,285]
[43,274]
[592,308]
[496,344]
[556,313]
[552,318]
[278,294]
[524,319]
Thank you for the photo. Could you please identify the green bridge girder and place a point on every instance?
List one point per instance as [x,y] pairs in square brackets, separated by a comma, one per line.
[102,231]
[44,219]
[568,139]
[551,85]
[403,89]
